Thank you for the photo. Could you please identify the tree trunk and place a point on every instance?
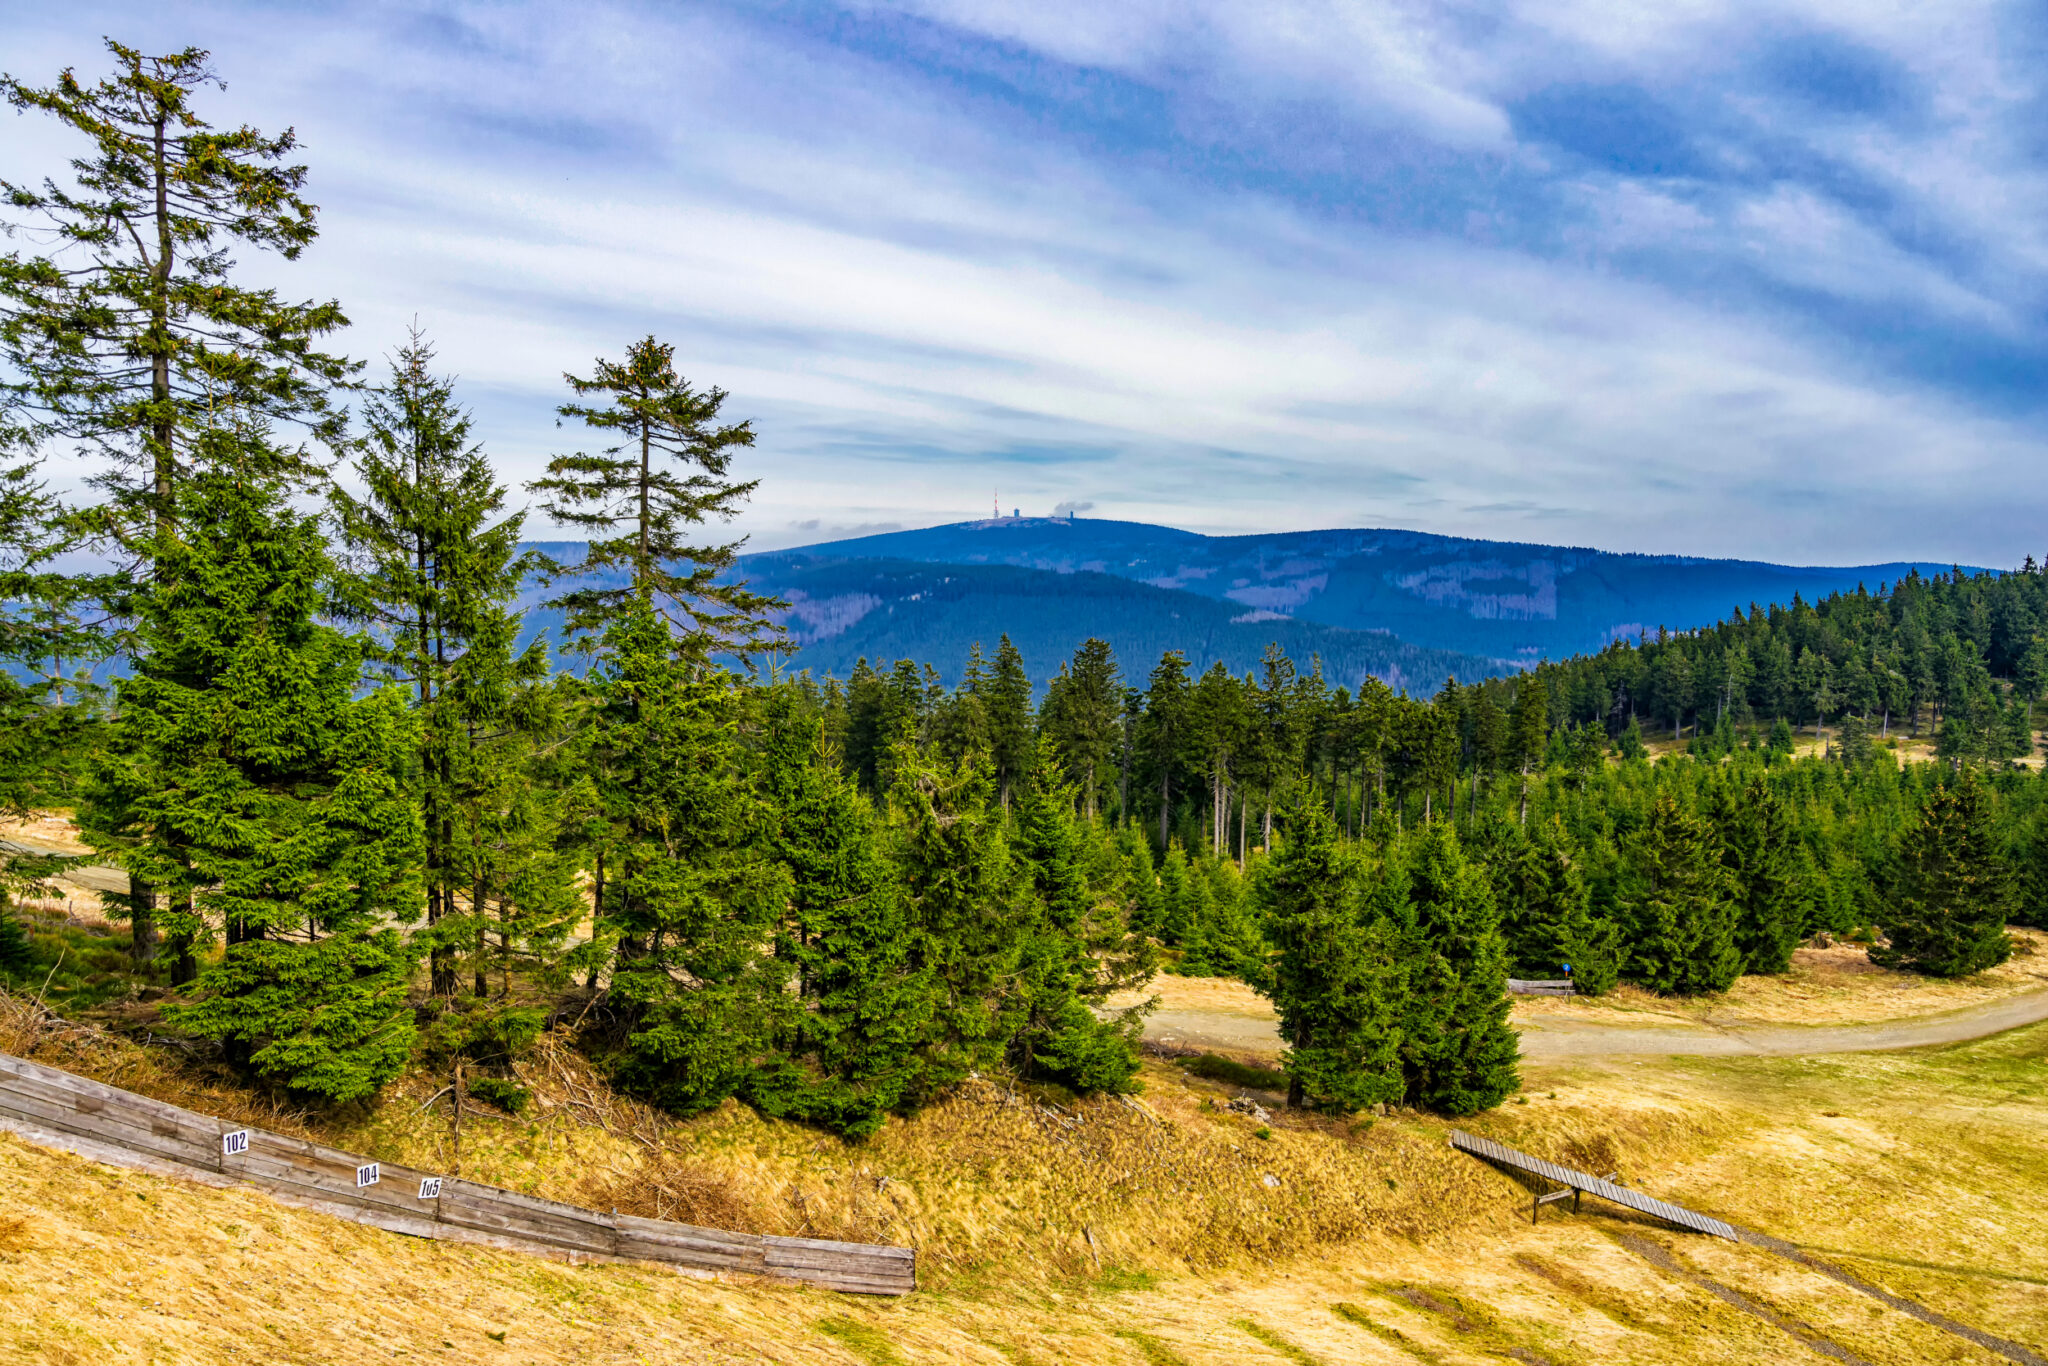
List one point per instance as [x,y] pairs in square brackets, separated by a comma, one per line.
[476,909]
[1123,781]
[142,940]
[164,425]
[1241,850]
[455,1121]
[1165,804]
[184,967]
[640,570]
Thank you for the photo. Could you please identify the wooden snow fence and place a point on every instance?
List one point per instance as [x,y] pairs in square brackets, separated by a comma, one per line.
[105,1123]
[1521,987]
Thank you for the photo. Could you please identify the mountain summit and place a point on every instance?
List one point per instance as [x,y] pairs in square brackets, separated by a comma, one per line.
[1452,604]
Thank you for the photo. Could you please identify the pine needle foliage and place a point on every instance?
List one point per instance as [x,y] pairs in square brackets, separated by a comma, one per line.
[1547,918]
[641,498]
[1340,974]
[272,799]
[1680,905]
[135,332]
[1459,1051]
[1952,890]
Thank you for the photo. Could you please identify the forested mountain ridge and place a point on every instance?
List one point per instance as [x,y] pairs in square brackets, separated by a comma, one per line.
[1507,601]
[842,611]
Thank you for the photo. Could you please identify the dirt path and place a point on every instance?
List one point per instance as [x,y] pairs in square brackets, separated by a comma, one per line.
[1245,1031]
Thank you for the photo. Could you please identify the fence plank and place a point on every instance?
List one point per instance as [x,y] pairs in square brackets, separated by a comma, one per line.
[110,1124]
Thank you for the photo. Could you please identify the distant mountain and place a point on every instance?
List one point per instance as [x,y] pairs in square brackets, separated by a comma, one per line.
[883,610]
[1404,606]
[1499,600]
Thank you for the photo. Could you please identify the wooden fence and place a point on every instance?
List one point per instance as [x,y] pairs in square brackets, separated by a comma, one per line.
[51,1106]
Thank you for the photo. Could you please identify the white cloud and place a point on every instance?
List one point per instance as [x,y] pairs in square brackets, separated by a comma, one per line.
[923,304]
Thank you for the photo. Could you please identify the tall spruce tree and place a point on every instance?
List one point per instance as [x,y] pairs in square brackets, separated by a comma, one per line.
[136,333]
[1952,889]
[1459,1050]
[641,499]
[1074,951]
[857,1048]
[1679,904]
[434,568]
[272,797]
[1163,732]
[1340,970]
[691,889]
[1757,849]
[1547,916]
[1082,716]
[967,906]
[1009,721]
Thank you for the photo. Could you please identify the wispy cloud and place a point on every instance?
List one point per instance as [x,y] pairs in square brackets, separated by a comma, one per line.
[1717,277]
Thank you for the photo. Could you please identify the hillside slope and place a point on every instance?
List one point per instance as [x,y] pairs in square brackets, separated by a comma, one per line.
[1500,600]
[1097,1234]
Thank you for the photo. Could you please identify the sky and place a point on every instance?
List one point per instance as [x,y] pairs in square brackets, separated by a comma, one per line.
[1705,276]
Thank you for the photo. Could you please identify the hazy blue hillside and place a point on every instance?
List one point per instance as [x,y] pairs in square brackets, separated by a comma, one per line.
[1497,599]
[884,610]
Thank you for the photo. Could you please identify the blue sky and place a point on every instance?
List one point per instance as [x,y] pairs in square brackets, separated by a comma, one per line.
[1766,280]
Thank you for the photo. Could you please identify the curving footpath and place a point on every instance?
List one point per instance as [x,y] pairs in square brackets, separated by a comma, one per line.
[1554,1038]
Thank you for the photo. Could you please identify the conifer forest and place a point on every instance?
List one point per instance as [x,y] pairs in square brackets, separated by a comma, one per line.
[269,648]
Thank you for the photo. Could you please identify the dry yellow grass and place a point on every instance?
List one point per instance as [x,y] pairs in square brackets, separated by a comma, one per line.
[1835,985]
[1102,1234]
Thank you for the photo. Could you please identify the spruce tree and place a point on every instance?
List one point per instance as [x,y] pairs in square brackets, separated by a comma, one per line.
[1756,848]
[857,1047]
[1174,877]
[1082,717]
[1009,721]
[1163,732]
[1459,1051]
[1073,952]
[641,498]
[1547,917]
[1951,891]
[1232,942]
[967,906]
[1339,973]
[691,888]
[138,335]
[1680,908]
[434,567]
[273,797]
[1197,914]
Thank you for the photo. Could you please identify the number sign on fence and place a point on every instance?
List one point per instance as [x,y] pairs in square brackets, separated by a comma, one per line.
[366,1175]
[234,1144]
[430,1188]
